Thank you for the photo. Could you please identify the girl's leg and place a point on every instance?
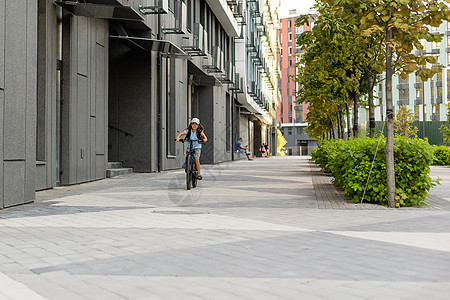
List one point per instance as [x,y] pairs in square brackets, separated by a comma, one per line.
[197,164]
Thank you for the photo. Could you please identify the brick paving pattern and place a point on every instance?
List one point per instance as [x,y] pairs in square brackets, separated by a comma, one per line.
[266,229]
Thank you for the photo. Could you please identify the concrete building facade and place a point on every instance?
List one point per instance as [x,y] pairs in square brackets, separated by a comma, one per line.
[258,73]
[84,83]
[18,69]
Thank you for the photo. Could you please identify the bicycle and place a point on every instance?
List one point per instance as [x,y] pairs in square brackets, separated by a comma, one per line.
[190,168]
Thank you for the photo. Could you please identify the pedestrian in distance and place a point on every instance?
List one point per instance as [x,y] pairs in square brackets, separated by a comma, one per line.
[195,133]
[262,149]
[243,149]
[267,149]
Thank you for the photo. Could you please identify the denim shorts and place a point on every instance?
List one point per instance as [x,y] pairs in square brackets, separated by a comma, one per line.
[197,153]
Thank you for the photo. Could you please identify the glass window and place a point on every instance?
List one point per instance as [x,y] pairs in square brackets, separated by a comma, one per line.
[438,60]
[439,92]
[435,45]
[439,76]
[432,89]
[403,95]
[419,93]
[171,5]
[418,79]
[189,10]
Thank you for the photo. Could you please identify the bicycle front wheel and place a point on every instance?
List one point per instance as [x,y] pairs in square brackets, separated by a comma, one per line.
[188,172]
[194,178]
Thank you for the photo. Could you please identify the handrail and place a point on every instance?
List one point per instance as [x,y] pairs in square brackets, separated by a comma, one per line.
[120,130]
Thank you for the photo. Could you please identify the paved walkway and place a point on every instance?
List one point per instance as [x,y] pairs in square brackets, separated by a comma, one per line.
[265,229]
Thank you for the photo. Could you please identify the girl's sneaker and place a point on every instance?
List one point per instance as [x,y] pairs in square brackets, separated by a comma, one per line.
[184,165]
[199,177]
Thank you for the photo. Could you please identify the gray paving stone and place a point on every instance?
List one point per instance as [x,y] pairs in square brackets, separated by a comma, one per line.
[266,229]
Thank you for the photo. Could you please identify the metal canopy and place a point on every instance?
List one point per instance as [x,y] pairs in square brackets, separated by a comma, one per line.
[166,47]
[200,78]
[103,9]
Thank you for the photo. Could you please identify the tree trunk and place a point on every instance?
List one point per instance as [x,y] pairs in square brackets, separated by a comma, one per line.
[389,149]
[330,126]
[355,115]
[341,118]
[338,123]
[371,80]
[349,130]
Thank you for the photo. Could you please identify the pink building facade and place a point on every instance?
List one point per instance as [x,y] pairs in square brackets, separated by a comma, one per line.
[291,116]
[287,111]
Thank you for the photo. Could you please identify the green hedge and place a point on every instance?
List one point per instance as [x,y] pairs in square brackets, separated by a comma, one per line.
[441,156]
[349,162]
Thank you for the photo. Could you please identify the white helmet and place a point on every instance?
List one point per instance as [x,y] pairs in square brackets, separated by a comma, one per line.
[195,120]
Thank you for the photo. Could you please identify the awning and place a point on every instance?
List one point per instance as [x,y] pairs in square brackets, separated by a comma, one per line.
[198,77]
[103,9]
[145,44]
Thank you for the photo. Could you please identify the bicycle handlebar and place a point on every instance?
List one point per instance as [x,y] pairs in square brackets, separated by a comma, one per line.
[184,140]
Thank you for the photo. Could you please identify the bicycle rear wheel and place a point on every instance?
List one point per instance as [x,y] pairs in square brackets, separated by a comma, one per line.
[194,177]
[188,172]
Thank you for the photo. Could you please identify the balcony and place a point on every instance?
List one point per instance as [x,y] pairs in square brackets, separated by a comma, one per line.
[195,43]
[180,14]
[102,9]
[158,7]
[238,85]
[216,62]
[225,16]
[229,74]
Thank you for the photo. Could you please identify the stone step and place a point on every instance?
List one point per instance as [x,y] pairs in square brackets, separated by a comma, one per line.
[114,165]
[119,171]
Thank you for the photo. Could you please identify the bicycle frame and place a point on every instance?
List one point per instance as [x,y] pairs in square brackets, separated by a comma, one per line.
[190,167]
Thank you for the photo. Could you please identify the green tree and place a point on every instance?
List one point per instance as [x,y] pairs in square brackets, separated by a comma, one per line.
[403,122]
[445,129]
[327,73]
[402,23]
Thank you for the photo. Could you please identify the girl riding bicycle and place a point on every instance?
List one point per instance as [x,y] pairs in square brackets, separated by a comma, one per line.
[195,133]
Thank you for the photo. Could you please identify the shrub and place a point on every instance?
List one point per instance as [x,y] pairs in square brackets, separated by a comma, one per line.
[350,162]
[325,153]
[441,156]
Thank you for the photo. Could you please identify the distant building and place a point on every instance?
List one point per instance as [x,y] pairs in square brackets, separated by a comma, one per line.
[291,117]
[426,99]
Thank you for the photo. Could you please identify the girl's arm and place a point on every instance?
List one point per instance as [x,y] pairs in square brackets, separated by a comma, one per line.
[180,135]
[204,137]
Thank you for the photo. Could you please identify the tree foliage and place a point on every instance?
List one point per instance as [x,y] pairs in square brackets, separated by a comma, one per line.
[445,129]
[403,122]
[281,141]
[327,72]
[403,24]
